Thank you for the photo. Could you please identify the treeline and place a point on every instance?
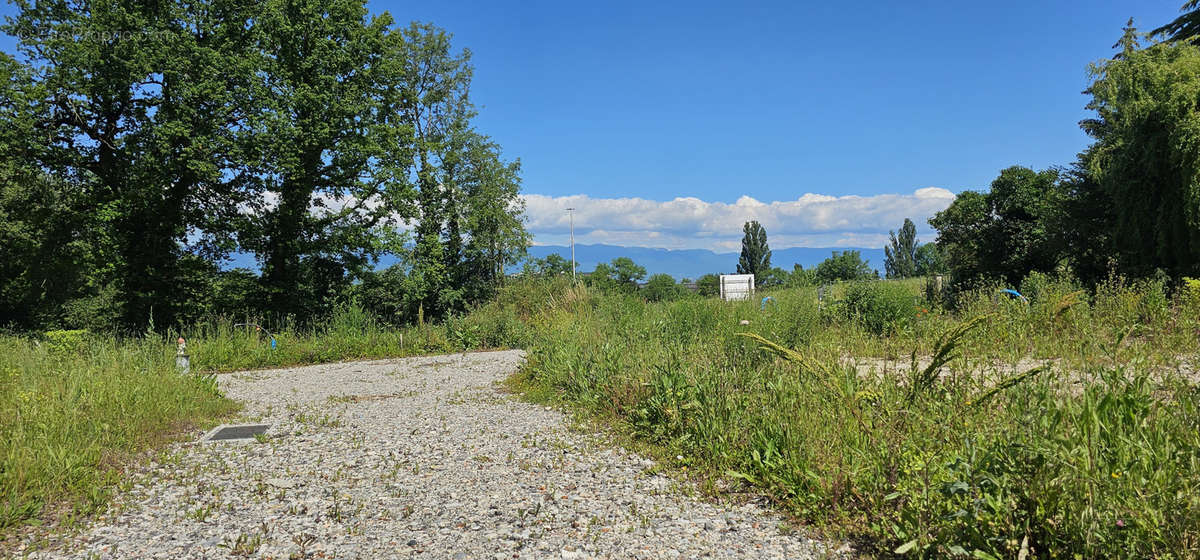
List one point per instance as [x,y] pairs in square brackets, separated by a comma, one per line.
[1129,206]
[622,274]
[142,144]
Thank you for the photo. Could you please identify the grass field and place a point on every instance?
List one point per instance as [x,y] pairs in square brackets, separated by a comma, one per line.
[75,407]
[1065,428]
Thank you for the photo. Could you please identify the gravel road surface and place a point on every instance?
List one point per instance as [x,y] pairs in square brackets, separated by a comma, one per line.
[416,458]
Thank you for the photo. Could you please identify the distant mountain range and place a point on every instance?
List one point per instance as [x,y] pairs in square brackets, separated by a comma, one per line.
[693,263]
[680,263]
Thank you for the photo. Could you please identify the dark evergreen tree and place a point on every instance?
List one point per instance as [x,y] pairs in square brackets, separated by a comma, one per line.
[1186,27]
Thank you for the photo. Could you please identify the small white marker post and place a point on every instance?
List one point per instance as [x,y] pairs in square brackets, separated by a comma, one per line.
[182,363]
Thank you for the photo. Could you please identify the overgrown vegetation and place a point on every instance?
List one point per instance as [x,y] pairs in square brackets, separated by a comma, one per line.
[916,420]
[1062,428]
[144,144]
[75,407]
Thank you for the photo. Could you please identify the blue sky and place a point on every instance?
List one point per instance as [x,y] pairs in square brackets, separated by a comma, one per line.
[773,100]
[669,124]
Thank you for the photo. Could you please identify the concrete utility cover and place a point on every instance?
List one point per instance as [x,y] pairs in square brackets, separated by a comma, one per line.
[226,432]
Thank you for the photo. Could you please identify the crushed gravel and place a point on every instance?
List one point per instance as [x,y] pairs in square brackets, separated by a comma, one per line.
[416,458]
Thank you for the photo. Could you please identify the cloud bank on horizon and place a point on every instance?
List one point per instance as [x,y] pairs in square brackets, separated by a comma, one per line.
[813,220]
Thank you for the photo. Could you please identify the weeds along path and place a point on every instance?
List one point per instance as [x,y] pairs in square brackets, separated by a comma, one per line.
[415,458]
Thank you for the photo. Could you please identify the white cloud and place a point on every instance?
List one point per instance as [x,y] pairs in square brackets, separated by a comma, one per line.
[813,220]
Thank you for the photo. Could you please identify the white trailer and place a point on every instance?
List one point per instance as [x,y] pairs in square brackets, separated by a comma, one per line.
[737,287]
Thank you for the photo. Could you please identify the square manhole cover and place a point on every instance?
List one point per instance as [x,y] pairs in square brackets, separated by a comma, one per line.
[234,432]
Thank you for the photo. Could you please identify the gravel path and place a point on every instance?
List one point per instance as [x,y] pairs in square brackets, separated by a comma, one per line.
[416,458]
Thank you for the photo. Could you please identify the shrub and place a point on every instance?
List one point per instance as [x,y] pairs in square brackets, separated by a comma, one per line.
[1189,297]
[661,287]
[66,341]
[708,285]
[881,307]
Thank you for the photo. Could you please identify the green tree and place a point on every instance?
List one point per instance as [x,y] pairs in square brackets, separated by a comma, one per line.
[626,272]
[845,265]
[492,218]
[708,285]
[756,255]
[138,107]
[901,254]
[965,235]
[237,294]
[329,148]
[601,277]
[46,228]
[46,253]
[1084,226]
[661,287]
[382,293]
[1005,233]
[1146,158]
[1185,28]
[619,274]
[929,260]
[553,264]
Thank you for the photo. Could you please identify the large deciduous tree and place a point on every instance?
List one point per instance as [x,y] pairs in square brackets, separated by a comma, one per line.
[1004,233]
[144,141]
[326,143]
[135,112]
[756,254]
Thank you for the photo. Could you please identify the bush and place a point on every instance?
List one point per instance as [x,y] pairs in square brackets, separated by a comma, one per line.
[1189,298]
[66,341]
[847,265]
[881,307]
[661,287]
[708,285]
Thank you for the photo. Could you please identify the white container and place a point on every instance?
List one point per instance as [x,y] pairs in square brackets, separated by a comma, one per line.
[737,287]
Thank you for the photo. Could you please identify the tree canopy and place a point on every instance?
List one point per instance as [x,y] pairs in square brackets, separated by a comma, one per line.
[842,265]
[1186,27]
[900,258]
[756,255]
[1004,233]
[1146,158]
[149,141]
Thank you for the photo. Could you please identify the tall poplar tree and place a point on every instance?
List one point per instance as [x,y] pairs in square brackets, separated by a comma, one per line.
[756,255]
[900,255]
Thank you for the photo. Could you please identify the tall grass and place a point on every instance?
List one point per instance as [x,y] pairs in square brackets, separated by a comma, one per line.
[75,407]
[1068,426]
[1094,453]
[72,413]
